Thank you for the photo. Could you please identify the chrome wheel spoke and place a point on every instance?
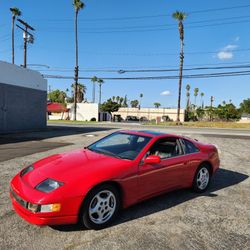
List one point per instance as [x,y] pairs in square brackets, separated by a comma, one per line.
[102,207]
[202,178]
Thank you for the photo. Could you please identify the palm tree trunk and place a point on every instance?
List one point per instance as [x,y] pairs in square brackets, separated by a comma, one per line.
[100,93]
[76,66]
[13,40]
[93,93]
[180,82]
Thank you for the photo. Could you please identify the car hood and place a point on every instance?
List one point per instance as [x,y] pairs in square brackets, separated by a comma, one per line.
[73,165]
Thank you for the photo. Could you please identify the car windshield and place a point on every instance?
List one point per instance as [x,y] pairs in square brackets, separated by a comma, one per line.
[120,145]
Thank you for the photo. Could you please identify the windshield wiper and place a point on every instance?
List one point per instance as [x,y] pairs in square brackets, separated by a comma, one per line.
[105,152]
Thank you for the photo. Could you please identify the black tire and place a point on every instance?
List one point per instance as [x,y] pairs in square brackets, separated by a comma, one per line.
[197,186]
[88,220]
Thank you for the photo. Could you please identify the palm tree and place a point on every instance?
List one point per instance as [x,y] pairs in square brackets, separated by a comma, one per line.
[202,103]
[80,92]
[188,96]
[117,99]
[196,91]
[141,95]
[15,12]
[180,16]
[100,82]
[78,5]
[94,79]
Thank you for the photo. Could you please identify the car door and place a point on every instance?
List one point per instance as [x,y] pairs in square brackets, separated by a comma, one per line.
[164,176]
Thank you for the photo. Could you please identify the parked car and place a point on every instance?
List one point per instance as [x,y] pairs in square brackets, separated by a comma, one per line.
[92,184]
[132,118]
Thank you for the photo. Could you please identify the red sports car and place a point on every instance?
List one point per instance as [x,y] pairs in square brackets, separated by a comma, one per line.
[91,184]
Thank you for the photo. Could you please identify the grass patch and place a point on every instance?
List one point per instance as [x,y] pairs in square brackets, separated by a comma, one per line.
[71,122]
[207,124]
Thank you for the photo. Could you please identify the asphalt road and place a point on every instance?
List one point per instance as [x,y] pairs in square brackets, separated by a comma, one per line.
[218,219]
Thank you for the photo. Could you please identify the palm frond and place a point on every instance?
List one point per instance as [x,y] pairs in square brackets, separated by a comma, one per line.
[179,15]
[78,4]
[15,11]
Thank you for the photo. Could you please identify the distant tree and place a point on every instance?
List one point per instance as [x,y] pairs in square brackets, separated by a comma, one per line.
[188,97]
[100,83]
[200,112]
[180,16]
[121,101]
[141,95]
[157,104]
[196,91]
[110,106]
[245,106]
[202,102]
[57,96]
[125,102]
[94,79]
[228,112]
[117,99]
[15,12]
[80,92]
[134,103]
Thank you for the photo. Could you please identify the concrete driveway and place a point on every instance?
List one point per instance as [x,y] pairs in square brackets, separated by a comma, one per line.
[218,219]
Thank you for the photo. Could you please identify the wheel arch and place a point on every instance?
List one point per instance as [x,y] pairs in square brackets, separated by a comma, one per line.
[208,164]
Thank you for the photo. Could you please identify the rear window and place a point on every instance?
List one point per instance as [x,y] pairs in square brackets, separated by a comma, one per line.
[189,147]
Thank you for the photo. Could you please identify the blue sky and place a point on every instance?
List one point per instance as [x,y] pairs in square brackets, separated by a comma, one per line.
[136,34]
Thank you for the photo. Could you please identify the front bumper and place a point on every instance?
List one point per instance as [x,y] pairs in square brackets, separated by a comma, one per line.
[39,218]
[21,195]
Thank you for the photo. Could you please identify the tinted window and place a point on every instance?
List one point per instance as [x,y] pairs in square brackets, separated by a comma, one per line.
[189,147]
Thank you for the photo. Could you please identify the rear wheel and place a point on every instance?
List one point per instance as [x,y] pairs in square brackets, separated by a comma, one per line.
[100,207]
[202,179]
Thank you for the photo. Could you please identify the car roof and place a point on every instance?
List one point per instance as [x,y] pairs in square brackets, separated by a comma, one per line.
[149,133]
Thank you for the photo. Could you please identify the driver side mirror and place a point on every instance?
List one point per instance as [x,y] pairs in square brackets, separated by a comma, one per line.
[151,159]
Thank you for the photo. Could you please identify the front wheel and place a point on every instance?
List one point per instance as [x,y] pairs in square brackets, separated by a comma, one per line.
[100,207]
[201,179]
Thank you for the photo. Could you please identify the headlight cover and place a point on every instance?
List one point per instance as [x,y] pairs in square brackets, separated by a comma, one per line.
[48,185]
[26,170]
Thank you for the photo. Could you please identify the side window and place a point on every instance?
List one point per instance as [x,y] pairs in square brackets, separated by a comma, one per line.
[166,148]
[189,147]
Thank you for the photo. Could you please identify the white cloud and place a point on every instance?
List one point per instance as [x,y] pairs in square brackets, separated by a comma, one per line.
[166,93]
[237,38]
[225,55]
[230,47]
[227,52]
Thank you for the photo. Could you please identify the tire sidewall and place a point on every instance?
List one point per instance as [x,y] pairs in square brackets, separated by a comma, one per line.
[84,211]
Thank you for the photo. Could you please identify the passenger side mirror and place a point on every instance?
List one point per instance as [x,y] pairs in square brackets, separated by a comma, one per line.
[151,159]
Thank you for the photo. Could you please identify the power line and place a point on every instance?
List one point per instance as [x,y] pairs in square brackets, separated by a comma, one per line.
[163,25]
[151,70]
[146,29]
[150,16]
[127,68]
[211,75]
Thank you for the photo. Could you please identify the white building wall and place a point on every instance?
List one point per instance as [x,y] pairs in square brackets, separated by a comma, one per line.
[85,111]
[150,113]
[12,74]
[23,99]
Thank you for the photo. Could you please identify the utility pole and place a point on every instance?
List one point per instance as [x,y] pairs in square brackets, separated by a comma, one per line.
[27,38]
